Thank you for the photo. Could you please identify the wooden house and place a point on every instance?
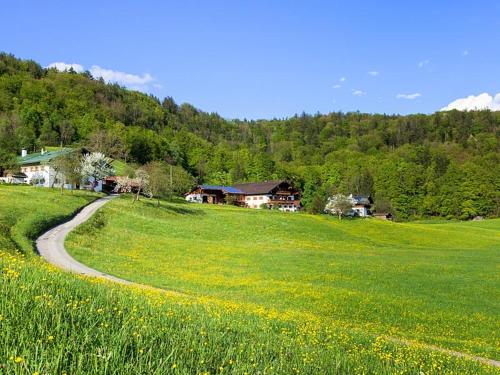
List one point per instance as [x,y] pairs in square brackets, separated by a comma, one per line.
[279,194]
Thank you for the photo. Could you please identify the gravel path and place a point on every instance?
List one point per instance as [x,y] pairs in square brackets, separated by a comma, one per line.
[50,245]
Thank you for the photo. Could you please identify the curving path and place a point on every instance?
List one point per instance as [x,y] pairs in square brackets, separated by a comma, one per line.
[50,246]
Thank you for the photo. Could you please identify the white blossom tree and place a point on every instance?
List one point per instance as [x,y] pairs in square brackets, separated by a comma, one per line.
[96,166]
[142,181]
[338,204]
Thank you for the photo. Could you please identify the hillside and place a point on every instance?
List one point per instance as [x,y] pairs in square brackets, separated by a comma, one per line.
[444,164]
[55,322]
[428,282]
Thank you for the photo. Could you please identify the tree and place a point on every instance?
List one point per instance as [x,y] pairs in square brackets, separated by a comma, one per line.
[67,168]
[181,180]
[382,204]
[159,182]
[96,166]
[109,142]
[142,183]
[317,205]
[338,204]
[66,132]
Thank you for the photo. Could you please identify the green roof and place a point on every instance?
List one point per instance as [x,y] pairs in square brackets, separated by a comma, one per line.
[38,158]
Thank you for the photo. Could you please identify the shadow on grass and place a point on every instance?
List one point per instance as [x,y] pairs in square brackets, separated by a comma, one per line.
[171,207]
[181,210]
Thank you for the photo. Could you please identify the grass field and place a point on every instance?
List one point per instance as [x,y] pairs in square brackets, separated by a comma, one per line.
[52,322]
[434,283]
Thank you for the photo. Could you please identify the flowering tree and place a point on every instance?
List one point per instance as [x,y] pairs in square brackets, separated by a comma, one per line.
[339,205]
[96,166]
[142,181]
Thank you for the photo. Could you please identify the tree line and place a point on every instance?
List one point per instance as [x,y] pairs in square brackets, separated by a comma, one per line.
[444,164]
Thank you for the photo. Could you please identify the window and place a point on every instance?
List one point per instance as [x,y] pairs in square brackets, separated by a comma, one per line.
[254,198]
[260,198]
[248,198]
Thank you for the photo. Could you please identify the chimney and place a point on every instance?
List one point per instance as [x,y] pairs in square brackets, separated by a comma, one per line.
[24,152]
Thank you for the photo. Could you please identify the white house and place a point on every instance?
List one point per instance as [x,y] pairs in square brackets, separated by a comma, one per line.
[360,205]
[36,167]
[38,172]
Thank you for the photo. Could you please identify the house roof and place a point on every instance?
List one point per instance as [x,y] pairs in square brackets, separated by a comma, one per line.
[255,188]
[362,199]
[39,158]
[227,189]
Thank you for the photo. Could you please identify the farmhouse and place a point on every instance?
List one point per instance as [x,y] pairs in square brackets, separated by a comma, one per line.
[36,167]
[36,170]
[279,194]
[361,205]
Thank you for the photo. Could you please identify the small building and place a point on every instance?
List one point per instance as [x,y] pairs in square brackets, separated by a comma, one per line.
[382,215]
[279,194]
[361,205]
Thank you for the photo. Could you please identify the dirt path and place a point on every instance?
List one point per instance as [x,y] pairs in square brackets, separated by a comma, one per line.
[50,246]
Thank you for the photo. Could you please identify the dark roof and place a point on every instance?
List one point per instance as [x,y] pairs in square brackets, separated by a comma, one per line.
[226,189]
[362,199]
[38,158]
[255,188]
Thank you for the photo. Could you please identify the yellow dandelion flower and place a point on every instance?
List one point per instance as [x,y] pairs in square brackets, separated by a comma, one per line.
[18,359]
[174,365]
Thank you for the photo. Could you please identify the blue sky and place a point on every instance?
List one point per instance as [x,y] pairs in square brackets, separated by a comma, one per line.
[264,59]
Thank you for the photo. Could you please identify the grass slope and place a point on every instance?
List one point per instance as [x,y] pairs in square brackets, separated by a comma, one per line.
[435,283]
[52,322]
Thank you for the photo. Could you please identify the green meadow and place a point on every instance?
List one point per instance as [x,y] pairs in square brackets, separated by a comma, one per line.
[258,320]
[433,283]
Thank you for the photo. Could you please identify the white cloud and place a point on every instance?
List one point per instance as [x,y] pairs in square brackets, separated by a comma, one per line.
[133,81]
[423,63]
[62,66]
[342,79]
[109,75]
[465,53]
[373,73]
[409,96]
[481,101]
[337,86]
[358,93]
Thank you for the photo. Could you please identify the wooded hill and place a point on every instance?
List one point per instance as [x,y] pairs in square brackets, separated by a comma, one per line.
[444,164]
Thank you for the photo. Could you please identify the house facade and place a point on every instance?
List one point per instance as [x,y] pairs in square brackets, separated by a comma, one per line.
[213,194]
[36,167]
[36,170]
[360,205]
[279,194]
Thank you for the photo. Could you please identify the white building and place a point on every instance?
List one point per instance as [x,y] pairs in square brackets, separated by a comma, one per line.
[38,172]
[360,205]
[36,167]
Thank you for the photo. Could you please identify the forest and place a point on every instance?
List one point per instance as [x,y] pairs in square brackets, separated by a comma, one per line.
[444,164]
